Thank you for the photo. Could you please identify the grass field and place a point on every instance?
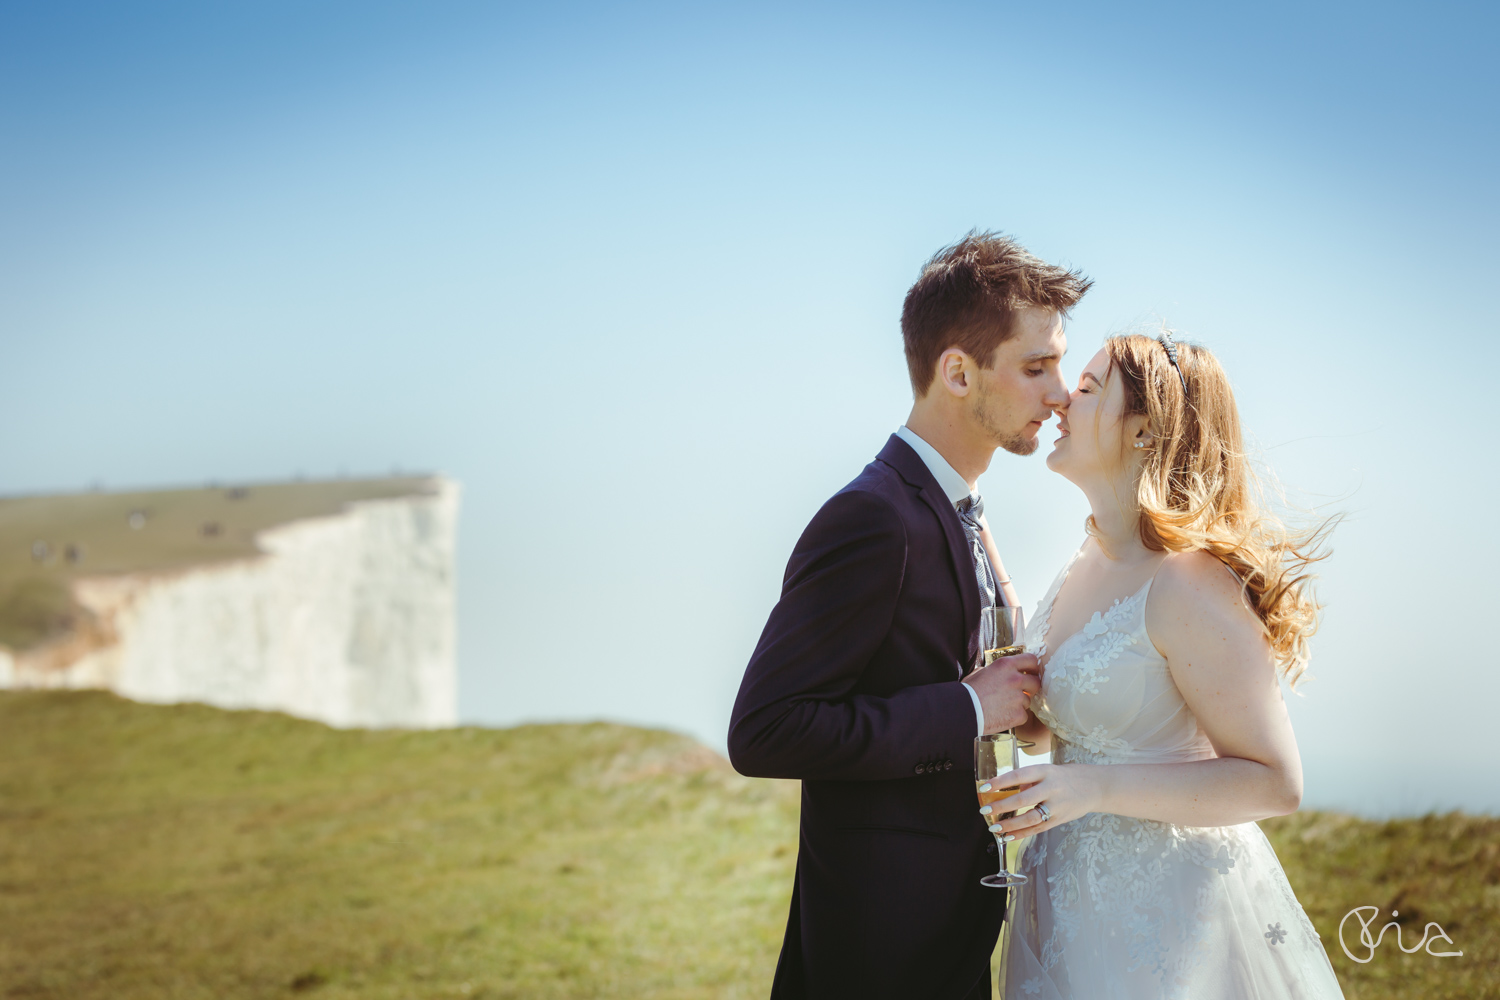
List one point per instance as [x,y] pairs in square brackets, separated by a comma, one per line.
[46,541]
[187,852]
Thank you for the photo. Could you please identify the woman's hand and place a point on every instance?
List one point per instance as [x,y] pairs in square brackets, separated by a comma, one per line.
[1068,790]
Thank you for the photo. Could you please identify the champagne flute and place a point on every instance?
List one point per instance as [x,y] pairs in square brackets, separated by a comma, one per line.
[995,755]
[1001,630]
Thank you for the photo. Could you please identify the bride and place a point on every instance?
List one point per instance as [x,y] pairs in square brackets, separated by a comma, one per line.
[1163,641]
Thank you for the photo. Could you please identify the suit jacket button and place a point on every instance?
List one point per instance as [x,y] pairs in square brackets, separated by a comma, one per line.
[947,765]
[921,769]
[989,848]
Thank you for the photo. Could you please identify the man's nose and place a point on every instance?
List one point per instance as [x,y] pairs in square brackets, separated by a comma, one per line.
[1057,394]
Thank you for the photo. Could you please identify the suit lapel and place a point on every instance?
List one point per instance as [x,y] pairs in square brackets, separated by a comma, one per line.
[899,456]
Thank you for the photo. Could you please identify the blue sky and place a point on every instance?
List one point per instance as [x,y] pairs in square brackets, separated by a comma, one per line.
[632,275]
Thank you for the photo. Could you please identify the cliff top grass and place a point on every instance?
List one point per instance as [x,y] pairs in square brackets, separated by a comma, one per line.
[188,852]
[46,541]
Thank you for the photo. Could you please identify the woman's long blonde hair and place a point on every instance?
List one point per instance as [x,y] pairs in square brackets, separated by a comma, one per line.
[1197,490]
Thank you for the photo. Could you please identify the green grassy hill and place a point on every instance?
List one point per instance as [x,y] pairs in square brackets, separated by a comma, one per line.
[186,852]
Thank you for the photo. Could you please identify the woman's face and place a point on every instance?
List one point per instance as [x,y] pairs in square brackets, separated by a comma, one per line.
[1092,432]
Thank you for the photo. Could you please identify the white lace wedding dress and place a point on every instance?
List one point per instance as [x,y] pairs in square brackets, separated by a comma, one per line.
[1127,909]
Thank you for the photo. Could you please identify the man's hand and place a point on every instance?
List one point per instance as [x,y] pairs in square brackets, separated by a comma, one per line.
[1005,688]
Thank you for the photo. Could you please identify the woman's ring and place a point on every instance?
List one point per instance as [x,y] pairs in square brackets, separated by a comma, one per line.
[1043,812]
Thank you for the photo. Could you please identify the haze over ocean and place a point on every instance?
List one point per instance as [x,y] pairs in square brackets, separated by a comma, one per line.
[632,275]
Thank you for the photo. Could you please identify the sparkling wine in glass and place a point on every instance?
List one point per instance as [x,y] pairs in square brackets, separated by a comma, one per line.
[1002,629]
[996,755]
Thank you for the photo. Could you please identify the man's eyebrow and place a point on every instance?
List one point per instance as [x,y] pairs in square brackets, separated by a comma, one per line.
[1042,356]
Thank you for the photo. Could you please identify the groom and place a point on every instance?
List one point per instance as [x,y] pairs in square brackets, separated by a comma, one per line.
[864,682]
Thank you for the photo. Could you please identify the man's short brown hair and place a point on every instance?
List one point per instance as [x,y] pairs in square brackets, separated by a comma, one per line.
[967,297]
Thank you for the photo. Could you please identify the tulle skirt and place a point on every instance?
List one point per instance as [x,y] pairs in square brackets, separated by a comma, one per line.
[1125,909]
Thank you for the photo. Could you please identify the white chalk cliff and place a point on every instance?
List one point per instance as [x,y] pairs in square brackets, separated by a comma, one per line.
[348,619]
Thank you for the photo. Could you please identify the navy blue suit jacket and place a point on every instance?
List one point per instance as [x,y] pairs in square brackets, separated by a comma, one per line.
[854,688]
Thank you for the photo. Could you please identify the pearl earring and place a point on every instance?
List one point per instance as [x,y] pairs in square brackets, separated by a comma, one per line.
[1140,444]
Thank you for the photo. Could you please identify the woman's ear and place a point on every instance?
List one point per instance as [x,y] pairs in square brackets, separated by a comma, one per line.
[1138,434]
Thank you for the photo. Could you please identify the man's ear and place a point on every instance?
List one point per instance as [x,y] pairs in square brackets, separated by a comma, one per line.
[953,372]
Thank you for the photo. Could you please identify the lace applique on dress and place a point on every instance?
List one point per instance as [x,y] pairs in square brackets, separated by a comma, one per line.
[1206,846]
[1110,869]
[1083,673]
[1121,871]
[1093,747]
[1298,915]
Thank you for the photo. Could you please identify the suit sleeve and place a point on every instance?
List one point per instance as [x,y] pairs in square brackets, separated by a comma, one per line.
[797,715]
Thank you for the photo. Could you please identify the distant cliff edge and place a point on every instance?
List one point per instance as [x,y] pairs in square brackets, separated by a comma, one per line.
[327,600]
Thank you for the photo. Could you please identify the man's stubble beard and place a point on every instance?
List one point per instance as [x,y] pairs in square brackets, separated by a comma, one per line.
[1012,441]
[1019,445]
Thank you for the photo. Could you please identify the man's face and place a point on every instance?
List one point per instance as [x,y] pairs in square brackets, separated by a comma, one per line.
[1016,396]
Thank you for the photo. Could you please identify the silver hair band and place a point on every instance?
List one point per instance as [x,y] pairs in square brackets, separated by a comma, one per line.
[1165,339]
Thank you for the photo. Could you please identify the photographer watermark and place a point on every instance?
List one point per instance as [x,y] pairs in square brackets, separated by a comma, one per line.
[1371,943]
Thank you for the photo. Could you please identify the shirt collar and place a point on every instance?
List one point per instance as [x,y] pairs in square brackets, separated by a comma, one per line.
[954,486]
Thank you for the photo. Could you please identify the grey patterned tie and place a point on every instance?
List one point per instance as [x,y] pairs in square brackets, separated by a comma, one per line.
[970,509]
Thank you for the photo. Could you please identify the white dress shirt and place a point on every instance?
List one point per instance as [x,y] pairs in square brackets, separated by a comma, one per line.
[956,488]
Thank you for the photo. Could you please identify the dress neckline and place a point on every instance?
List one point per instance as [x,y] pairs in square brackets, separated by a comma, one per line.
[1046,615]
